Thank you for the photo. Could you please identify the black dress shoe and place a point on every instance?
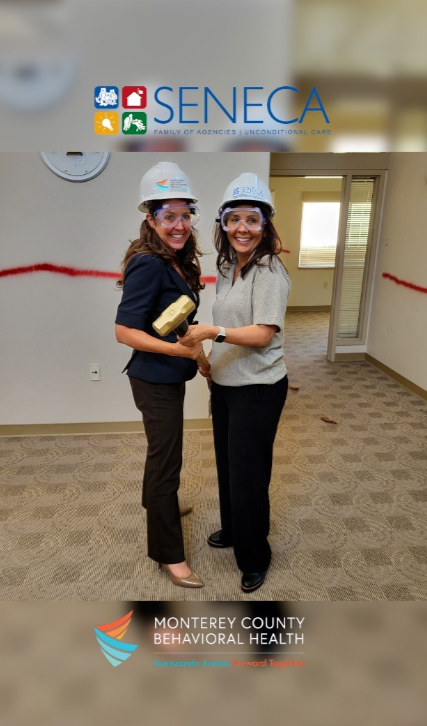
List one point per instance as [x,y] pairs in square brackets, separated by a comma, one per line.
[252,581]
[217,540]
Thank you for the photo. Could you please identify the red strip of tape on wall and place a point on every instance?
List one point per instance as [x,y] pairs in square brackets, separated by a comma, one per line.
[71,272]
[410,285]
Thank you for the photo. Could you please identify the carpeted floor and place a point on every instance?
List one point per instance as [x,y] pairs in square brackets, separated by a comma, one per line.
[348,501]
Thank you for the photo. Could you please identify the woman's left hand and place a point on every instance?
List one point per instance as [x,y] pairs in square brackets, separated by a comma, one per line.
[197,334]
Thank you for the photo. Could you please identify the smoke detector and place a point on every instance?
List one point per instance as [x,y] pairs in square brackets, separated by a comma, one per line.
[76,166]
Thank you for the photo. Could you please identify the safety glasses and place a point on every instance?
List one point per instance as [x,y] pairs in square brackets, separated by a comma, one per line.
[251,217]
[170,214]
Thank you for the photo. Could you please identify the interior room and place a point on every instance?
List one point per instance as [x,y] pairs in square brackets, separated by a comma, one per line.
[349,488]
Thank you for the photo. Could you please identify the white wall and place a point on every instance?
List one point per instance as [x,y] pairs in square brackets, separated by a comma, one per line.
[52,326]
[398,324]
[308,285]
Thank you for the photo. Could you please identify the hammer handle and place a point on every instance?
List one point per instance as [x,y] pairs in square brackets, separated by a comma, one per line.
[182,329]
[203,361]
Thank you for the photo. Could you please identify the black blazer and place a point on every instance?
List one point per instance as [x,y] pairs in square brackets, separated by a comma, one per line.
[149,287]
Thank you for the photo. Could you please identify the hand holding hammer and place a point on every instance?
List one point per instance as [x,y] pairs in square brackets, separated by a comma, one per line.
[174,318]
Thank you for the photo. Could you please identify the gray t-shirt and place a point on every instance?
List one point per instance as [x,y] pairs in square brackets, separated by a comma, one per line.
[258,299]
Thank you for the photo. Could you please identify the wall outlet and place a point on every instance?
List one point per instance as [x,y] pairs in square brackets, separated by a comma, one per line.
[325,285]
[94,372]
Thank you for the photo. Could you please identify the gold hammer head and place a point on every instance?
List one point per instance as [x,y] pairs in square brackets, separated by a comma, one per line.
[174,315]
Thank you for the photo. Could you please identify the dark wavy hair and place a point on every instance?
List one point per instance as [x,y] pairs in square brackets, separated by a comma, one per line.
[270,245]
[149,243]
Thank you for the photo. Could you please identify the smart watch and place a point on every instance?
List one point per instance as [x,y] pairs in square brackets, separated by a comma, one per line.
[221,335]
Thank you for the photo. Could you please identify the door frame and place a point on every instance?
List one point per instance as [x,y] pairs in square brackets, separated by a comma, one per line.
[347,166]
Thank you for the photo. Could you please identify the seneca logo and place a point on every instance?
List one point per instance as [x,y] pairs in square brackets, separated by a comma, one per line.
[109,637]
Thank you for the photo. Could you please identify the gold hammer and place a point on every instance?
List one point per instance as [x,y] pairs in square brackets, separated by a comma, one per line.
[175,318]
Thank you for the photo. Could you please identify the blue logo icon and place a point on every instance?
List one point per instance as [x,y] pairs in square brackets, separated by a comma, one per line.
[106,97]
[109,637]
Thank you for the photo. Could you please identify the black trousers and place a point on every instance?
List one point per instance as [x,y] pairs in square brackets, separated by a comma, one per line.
[162,405]
[245,420]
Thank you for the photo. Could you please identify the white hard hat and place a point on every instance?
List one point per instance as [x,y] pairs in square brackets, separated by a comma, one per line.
[165,180]
[248,187]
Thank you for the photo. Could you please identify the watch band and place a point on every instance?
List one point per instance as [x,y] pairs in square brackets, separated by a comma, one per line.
[221,335]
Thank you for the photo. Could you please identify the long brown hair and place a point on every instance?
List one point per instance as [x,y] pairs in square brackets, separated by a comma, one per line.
[149,243]
[270,245]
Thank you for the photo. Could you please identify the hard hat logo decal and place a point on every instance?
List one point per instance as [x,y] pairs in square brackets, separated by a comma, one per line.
[175,185]
[178,185]
[249,192]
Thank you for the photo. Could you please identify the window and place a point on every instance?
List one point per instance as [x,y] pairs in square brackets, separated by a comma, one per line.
[319,232]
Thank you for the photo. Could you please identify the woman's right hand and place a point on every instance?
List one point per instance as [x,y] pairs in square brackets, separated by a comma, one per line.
[186,351]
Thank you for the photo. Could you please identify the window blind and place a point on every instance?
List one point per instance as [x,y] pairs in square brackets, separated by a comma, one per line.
[356,246]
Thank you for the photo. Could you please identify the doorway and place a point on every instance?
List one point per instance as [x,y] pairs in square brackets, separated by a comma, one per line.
[359,181]
[307,219]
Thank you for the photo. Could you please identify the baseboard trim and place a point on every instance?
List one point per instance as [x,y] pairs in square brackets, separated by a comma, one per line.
[405,382]
[101,427]
[198,424]
[308,309]
[349,356]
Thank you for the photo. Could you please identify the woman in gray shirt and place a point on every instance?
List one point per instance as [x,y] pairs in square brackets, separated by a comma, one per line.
[249,381]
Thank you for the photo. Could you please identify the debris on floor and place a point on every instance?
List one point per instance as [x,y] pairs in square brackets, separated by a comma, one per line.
[293,387]
[328,420]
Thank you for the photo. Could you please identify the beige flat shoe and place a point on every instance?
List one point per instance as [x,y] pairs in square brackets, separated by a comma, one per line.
[185,510]
[190,581]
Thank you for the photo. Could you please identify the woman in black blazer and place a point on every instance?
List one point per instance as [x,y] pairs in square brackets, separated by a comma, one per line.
[158,267]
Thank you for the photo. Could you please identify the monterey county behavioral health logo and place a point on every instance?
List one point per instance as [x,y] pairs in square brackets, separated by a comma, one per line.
[109,637]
